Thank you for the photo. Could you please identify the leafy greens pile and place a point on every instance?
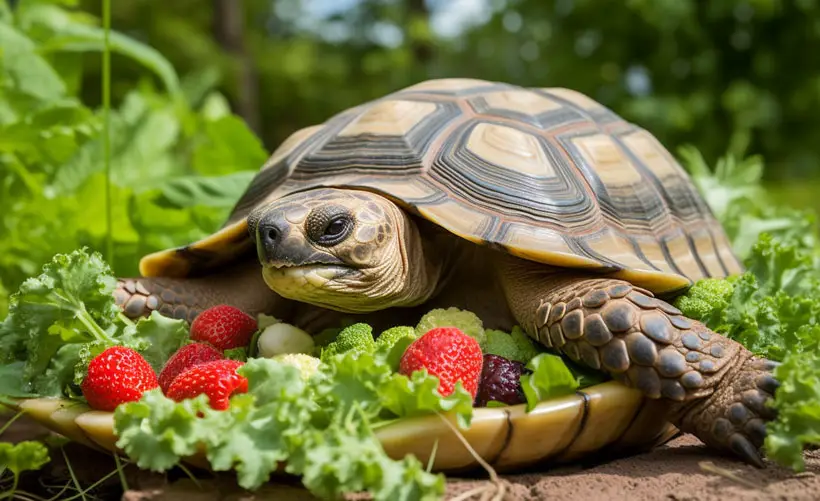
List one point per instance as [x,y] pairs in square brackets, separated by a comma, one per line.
[65,316]
[774,307]
[322,427]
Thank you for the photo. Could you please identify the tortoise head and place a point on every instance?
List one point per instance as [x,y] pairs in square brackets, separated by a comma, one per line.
[346,250]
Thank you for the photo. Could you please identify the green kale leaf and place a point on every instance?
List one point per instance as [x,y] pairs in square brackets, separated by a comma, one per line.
[320,429]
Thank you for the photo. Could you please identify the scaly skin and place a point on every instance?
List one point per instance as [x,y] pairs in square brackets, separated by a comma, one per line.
[717,389]
[240,285]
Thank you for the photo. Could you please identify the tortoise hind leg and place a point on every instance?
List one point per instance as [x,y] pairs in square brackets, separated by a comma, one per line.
[716,389]
[240,285]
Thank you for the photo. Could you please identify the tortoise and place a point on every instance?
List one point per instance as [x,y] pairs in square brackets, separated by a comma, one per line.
[536,207]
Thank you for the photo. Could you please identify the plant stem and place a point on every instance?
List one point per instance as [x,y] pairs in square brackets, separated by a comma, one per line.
[8,423]
[123,481]
[106,90]
[73,476]
[88,322]
[10,494]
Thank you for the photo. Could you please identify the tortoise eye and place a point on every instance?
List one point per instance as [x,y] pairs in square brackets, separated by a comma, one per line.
[330,225]
[336,227]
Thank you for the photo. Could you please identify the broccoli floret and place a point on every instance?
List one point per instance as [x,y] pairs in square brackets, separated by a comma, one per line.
[527,347]
[515,346]
[358,337]
[394,334]
[705,298]
[306,364]
[466,321]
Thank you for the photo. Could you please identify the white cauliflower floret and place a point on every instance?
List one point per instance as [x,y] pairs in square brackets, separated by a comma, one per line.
[282,338]
[306,364]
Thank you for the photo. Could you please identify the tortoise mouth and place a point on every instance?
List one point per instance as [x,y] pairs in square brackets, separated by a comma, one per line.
[306,282]
[316,270]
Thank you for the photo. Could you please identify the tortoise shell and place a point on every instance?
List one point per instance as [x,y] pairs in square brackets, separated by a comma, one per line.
[548,175]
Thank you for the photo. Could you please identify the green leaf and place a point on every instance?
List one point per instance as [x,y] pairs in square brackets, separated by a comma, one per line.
[71,300]
[230,147]
[157,432]
[161,335]
[26,71]
[345,458]
[550,378]
[798,405]
[418,395]
[352,380]
[316,427]
[11,381]
[23,456]
[71,36]
[240,354]
[218,191]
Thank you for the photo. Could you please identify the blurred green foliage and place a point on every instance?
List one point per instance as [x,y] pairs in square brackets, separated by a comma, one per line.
[177,166]
[725,75]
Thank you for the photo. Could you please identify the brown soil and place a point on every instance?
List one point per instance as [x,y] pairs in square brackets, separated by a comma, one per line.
[679,470]
[675,471]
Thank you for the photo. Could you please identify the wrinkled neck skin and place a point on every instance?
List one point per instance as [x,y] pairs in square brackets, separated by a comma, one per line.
[415,270]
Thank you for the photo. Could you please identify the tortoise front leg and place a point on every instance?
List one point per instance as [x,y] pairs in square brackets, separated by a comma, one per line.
[240,285]
[716,389]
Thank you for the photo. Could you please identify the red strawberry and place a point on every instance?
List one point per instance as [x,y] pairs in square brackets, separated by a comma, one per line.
[115,376]
[223,326]
[447,353]
[185,358]
[217,379]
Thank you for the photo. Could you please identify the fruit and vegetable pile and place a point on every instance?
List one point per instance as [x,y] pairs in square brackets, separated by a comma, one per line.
[259,395]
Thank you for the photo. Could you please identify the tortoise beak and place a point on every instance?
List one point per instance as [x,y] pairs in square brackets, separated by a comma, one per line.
[270,234]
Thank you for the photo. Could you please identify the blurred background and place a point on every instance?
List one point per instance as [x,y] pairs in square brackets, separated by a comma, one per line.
[737,75]
[202,91]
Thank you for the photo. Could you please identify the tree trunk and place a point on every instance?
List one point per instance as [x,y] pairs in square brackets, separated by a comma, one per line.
[229,32]
[422,49]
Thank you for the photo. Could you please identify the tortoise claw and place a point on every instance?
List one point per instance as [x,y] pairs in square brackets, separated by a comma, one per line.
[757,402]
[744,448]
[734,417]
[768,383]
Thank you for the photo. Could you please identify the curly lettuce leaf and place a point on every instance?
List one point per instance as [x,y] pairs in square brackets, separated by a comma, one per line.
[23,456]
[418,395]
[764,307]
[70,301]
[319,428]
[61,319]
[156,431]
[798,405]
[346,458]
[550,378]
[156,338]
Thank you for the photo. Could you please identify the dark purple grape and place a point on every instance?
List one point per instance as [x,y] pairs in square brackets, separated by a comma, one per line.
[500,381]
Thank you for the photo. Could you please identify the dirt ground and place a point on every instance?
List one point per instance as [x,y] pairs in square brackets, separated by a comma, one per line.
[681,470]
